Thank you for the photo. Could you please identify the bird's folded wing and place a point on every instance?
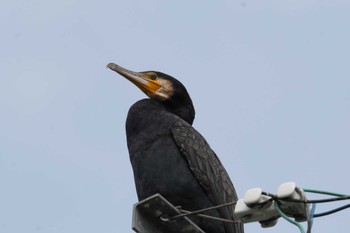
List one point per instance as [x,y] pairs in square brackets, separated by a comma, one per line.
[208,170]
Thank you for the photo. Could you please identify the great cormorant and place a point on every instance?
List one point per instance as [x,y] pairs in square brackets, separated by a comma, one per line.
[170,157]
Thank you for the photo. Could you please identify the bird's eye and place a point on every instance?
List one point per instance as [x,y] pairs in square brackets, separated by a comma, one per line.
[154,76]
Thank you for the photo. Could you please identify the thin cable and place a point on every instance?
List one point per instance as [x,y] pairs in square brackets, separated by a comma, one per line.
[210,217]
[342,198]
[310,220]
[312,212]
[283,215]
[339,197]
[202,210]
[325,192]
[331,194]
[332,211]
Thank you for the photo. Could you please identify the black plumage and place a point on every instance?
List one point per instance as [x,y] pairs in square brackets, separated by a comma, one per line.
[170,157]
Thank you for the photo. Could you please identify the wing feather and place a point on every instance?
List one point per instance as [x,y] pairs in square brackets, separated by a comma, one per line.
[208,170]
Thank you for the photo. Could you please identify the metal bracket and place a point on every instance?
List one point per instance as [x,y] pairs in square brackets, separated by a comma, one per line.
[148,214]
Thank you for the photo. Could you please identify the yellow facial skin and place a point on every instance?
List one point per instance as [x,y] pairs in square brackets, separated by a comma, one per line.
[152,84]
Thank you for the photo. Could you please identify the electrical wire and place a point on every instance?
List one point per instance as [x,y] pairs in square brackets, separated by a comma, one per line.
[341,198]
[331,194]
[283,215]
[325,192]
[208,217]
[187,213]
[312,212]
[338,197]
[310,220]
[332,211]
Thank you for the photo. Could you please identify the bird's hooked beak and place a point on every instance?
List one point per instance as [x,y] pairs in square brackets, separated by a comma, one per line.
[146,81]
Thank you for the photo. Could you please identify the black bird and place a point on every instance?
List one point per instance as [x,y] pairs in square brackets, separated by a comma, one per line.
[170,157]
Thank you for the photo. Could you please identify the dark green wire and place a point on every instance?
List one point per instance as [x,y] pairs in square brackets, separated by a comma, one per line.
[325,192]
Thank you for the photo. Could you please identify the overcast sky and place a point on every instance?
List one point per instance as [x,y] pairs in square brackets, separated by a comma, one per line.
[269,79]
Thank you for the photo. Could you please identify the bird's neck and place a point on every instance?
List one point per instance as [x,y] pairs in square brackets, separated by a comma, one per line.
[184,109]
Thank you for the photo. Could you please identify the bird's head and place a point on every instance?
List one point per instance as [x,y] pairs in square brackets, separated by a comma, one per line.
[162,88]
[154,84]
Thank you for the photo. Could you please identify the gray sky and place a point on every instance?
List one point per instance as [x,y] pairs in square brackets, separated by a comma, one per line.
[269,79]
